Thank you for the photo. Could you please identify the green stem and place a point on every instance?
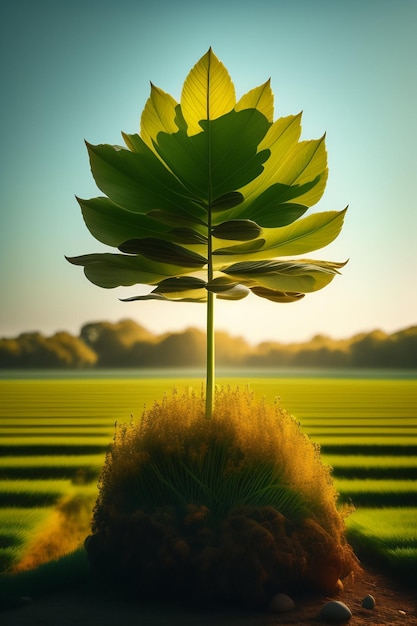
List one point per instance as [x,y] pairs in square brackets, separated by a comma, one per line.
[210,356]
[210,341]
[210,296]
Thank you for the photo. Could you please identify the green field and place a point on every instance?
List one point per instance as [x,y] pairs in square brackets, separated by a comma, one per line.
[54,433]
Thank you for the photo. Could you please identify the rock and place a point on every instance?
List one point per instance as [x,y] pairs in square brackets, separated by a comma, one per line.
[25,600]
[368,602]
[281,603]
[335,611]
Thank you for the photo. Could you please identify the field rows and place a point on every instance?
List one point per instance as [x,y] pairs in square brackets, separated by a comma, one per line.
[119,399]
[54,434]
[83,430]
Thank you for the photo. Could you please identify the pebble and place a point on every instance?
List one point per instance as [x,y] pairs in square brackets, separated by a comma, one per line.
[335,611]
[281,603]
[368,602]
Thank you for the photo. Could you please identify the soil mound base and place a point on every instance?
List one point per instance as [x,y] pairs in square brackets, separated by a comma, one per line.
[87,607]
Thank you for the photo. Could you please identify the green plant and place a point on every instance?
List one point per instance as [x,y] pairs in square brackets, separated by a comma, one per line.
[208,201]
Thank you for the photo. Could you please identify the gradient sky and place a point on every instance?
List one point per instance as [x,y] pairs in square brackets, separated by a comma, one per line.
[80,69]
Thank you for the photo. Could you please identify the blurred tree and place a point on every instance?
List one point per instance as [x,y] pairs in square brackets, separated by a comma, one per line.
[33,350]
[113,342]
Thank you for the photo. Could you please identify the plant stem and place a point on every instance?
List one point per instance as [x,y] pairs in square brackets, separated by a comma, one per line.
[210,337]
[210,356]
[210,295]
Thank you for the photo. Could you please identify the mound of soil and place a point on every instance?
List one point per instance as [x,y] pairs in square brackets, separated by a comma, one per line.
[252,555]
[89,607]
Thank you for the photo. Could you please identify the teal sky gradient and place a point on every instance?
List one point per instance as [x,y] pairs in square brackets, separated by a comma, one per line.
[80,69]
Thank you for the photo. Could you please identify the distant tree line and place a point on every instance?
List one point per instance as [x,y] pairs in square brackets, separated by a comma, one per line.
[127,344]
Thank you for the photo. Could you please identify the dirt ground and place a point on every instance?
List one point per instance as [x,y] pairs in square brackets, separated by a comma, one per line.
[87,607]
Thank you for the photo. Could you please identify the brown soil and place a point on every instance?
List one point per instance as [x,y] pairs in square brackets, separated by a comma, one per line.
[86,607]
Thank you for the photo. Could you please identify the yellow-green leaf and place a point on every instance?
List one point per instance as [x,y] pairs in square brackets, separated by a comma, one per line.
[277,296]
[304,235]
[158,115]
[280,140]
[301,276]
[220,284]
[260,98]
[291,162]
[182,288]
[306,161]
[208,92]
[238,292]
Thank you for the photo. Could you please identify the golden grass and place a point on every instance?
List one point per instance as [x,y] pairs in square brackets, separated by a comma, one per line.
[191,503]
[255,433]
[62,532]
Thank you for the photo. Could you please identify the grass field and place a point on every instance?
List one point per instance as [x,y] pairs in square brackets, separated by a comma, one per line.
[54,433]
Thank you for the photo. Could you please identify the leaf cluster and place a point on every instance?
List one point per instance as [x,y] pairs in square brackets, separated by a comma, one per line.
[210,197]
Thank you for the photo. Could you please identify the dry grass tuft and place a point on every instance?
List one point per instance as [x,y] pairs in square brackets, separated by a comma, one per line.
[63,532]
[239,506]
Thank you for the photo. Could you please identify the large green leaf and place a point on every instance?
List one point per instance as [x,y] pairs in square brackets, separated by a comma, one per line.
[271,208]
[138,181]
[163,252]
[310,233]
[117,270]
[220,159]
[112,225]
[305,235]
[302,276]
[176,289]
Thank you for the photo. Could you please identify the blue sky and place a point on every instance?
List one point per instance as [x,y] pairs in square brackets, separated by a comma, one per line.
[80,69]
